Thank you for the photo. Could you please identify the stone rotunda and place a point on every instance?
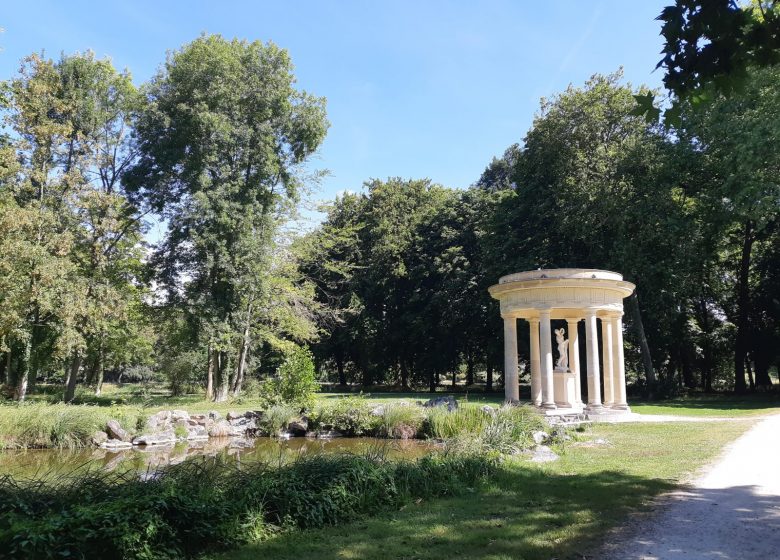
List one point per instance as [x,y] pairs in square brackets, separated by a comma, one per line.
[570,295]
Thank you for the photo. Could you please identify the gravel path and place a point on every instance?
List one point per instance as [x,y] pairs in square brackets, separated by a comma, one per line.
[732,512]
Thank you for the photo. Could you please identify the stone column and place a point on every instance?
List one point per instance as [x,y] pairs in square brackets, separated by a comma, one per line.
[536,374]
[546,359]
[619,364]
[574,357]
[511,388]
[592,353]
[606,361]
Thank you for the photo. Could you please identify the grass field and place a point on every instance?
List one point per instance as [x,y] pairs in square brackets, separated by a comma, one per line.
[556,510]
[156,397]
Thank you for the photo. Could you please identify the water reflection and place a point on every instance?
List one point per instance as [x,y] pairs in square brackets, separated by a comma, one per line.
[36,463]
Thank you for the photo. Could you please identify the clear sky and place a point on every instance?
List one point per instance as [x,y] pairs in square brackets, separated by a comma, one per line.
[415,89]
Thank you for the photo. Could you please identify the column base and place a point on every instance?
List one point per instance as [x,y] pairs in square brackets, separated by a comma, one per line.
[594,408]
[549,406]
[621,407]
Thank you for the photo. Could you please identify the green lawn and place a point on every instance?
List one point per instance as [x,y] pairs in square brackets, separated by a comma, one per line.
[156,397]
[557,510]
[711,405]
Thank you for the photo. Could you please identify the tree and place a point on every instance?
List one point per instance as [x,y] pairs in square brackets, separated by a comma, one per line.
[222,140]
[710,46]
[730,133]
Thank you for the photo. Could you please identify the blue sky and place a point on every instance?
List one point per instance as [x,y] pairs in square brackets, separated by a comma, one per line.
[415,89]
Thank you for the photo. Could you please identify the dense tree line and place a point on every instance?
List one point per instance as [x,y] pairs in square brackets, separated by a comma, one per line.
[688,214]
[392,287]
[213,145]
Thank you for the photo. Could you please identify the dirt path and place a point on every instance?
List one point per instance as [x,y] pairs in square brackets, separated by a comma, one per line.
[731,512]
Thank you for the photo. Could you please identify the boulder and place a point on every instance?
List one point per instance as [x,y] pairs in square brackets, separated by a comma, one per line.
[99,438]
[449,402]
[221,429]
[197,433]
[200,419]
[115,431]
[543,454]
[214,415]
[116,444]
[233,415]
[540,437]
[329,434]
[162,438]
[159,420]
[404,431]
[487,409]
[298,428]
[177,415]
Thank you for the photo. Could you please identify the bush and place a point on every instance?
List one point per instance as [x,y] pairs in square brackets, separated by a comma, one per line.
[296,382]
[349,415]
[401,421]
[183,371]
[202,506]
[508,430]
[511,429]
[37,425]
[442,424]
[276,418]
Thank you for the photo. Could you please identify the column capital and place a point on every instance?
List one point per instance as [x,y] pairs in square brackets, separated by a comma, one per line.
[545,312]
[533,320]
[591,312]
[573,320]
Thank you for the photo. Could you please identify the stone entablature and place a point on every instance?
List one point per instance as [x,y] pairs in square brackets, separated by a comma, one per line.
[571,294]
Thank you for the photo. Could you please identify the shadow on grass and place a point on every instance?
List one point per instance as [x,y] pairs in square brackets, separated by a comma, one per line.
[525,512]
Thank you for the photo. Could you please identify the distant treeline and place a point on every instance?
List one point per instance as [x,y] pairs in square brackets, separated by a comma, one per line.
[690,215]
[392,287]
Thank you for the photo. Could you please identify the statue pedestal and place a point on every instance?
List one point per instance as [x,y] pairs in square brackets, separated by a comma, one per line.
[564,388]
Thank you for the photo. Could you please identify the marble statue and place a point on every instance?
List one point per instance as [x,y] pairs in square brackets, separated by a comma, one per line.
[563,350]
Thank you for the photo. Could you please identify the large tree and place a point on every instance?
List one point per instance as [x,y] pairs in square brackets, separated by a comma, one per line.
[222,142]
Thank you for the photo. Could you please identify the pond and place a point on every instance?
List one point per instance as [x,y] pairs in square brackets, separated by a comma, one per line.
[46,463]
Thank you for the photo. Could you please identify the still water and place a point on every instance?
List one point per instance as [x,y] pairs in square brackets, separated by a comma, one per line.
[45,463]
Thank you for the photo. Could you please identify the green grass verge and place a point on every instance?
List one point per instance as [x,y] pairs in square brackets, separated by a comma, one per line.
[198,506]
[557,510]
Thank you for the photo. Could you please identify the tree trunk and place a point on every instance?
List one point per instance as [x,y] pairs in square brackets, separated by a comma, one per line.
[101,370]
[762,363]
[222,381]
[210,374]
[20,390]
[432,381]
[238,380]
[5,369]
[489,375]
[743,310]
[454,377]
[750,374]
[70,389]
[644,346]
[469,368]
[339,355]
[404,374]
[706,349]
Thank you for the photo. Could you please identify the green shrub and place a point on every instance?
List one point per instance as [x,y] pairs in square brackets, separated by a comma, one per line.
[443,424]
[511,429]
[296,382]
[37,425]
[400,420]
[349,415]
[276,418]
[201,506]
[183,371]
